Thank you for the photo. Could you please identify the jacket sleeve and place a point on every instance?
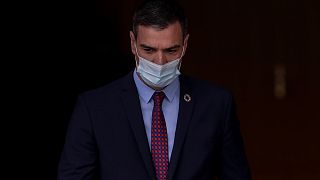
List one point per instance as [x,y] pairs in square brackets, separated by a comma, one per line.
[234,164]
[79,157]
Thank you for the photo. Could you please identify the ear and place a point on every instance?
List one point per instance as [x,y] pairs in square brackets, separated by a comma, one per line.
[133,41]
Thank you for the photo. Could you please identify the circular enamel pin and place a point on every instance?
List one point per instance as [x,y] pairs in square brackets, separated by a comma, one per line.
[187,97]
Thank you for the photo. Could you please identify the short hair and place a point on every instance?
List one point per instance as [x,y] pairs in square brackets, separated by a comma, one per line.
[159,14]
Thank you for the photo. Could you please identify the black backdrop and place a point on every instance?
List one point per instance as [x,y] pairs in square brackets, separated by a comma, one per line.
[63,48]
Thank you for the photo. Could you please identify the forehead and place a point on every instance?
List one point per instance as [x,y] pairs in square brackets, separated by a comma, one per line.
[154,36]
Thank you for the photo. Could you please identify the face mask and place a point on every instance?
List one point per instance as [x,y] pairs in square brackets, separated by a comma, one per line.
[156,75]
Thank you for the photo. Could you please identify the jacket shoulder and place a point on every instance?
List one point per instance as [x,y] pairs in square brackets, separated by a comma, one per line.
[206,88]
[106,93]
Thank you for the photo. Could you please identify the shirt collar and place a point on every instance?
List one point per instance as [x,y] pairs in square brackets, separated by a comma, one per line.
[145,92]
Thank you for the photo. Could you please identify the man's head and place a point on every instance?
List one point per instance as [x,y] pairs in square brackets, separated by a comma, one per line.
[159,14]
[159,32]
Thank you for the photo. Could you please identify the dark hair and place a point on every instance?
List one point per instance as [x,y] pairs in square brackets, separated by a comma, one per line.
[159,14]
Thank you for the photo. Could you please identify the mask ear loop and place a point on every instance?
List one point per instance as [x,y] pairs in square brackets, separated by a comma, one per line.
[181,59]
[137,55]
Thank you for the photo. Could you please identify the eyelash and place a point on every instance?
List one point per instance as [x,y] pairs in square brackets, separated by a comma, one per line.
[148,50]
[168,51]
[171,51]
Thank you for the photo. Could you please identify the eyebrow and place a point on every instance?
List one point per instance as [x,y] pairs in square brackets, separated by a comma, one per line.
[169,48]
[146,46]
[173,47]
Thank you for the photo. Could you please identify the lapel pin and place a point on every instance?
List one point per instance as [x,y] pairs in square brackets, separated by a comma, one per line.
[187,97]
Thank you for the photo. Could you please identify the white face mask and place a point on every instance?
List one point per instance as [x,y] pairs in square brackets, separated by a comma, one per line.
[156,75]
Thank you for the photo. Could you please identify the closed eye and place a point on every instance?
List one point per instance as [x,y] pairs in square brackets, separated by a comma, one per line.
[171,51]
[148,50]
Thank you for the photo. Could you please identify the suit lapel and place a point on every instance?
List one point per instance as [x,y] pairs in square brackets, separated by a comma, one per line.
[184,117]
[131,102]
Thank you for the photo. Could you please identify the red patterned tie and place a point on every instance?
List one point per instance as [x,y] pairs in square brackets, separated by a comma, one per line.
[159,138]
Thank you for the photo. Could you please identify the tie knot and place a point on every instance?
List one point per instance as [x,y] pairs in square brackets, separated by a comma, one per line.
[158,97]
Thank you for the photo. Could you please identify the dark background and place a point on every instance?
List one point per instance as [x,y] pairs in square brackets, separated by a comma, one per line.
[73,46]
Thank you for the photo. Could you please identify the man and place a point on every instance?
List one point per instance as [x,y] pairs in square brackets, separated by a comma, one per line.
[155,123]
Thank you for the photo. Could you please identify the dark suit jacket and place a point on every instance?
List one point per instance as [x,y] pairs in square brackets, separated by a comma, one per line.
[106,136]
